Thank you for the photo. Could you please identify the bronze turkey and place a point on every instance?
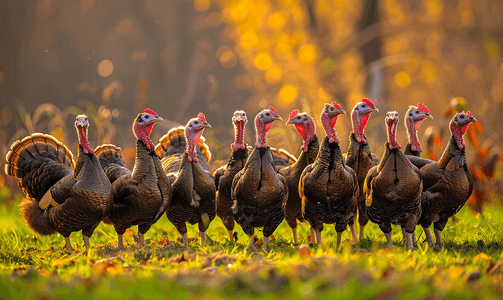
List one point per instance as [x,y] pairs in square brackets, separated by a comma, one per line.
[142,195]
[359,157]
[393,188]
[328,187]
[62,195]
[308,152]
[225,174]
[258,191]
[448,183]
[185,159]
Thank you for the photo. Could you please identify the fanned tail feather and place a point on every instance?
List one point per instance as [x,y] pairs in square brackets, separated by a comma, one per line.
[282,157]
[34,217]
[109,153]
[174,142]
[33,147]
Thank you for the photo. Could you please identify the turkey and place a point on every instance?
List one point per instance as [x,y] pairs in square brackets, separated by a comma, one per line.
[328,187]
[258,191]
[413,119]
[393,188]
[140,196]
[63,195]
[448,183]
[224,175]
[307,129]
[185,159]
[359,157]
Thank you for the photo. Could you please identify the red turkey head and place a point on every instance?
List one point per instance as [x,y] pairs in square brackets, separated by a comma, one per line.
[239,121]
[391,121]
[413,119]
[360,116]
[142,127]
[82,124]
[263,122]
[458,126]
[305,126]
[329,118]
[193,131]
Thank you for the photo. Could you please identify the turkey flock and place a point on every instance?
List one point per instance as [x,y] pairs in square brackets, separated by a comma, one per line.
[258,187]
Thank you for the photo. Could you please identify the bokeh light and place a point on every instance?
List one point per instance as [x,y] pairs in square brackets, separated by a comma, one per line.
[105,68]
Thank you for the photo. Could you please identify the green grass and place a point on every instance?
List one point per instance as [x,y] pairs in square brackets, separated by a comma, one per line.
[38,267]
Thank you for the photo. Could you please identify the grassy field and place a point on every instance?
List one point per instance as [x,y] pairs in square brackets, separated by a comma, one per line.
[469,266]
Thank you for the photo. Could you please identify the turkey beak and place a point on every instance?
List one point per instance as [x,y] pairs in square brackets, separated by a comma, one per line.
[373,109]
[157,119]
[341,112]
[205,125]
[428,116]
[277,117]
[472,119]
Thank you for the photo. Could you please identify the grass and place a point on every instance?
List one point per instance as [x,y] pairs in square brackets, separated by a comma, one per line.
[38,267]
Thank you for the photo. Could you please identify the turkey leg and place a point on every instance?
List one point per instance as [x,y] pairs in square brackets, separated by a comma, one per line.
[231,237]
[295,238]
[68,245]
[202,234]
[120,242]
[429,237]
[86,242]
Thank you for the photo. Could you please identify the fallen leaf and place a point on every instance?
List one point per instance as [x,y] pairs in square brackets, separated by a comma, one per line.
[163,241]
[128,233]
[481,256]
[303,250]
[58,262]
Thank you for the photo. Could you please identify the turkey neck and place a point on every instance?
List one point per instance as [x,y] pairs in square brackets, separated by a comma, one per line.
[330,155]
[142,133]
[192,138]
[306,158]
[457,133]
[309,133]
[411,127]
[358,126]
[142,161]
[392,143]
[261,130]
[451,151]
[328,124]
[83,142]
[239,134]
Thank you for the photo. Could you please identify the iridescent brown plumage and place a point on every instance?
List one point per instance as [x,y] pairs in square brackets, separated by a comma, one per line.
[185,159]
[225,174]
[258,191]
[393,188]
[309,151]
[359,156]
[63,195]
[141,196]
[448,183]
[328,187]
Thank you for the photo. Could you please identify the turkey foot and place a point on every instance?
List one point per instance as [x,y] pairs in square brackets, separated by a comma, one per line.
[252,242]
[266,241]
[86,243]
[231,237]
[429,237]
[68,245]
[313,236]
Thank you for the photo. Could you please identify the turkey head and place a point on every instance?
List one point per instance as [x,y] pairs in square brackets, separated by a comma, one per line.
[458,125]
[142,127]
[263,122]
[82,124]
[413,119]
[360,116]
[193,131]
[391,121]
[329,118]
[239,121]
[305,126]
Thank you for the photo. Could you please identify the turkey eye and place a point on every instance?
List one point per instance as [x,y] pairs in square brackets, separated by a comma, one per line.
[417,111]
[268,114]
[410,114]
[298,117]
[195,122]
[462,116]
[331,108]
[363,105]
